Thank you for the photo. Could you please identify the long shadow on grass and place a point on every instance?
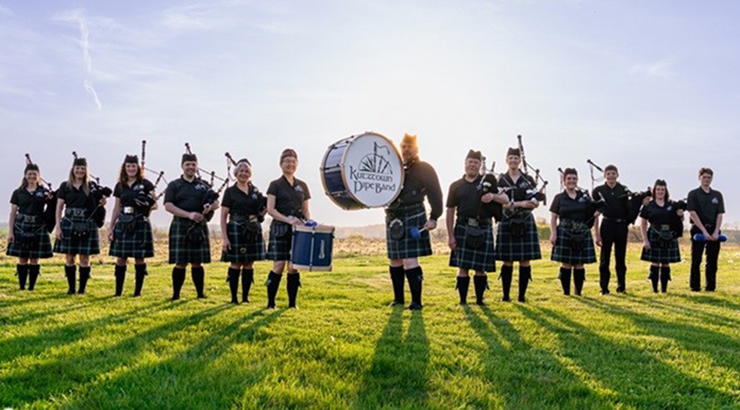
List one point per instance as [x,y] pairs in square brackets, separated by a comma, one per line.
[37,314]
[637,377]
[397,376]
[692,313]
[711,300]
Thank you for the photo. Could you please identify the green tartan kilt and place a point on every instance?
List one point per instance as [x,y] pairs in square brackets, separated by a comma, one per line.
[242,249]
[279,248]
[71,246]
[408,247]
[510,247]
[466,257]
[182,250]
[660,252]
[563,250]
[136,244]
[39,247]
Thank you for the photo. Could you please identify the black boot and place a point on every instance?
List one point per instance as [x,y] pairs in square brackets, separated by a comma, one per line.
[273,284]
[247,280]
[33,273]
[463,284]
[480,282]
[507,276]
[84,277]
[564,277]
[665,277]
[178,279]
[415,277]
[654,276]
[198,273]
[398,278]
[140,275]
[120,278]
[294,282]
[70,272]
[621,281]
[233,278]
[579,276]
[525,275]
[22,272]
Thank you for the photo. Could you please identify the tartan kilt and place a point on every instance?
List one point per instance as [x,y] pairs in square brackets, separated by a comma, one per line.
[242,250]
[136,244]
[517,248]
[482,259]
[279,248]
[182,250]
[41,248]
[408,247]
[70,246]
[659,254]
[562,251]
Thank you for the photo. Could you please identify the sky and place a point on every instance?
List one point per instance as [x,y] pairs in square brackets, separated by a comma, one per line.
[651,86]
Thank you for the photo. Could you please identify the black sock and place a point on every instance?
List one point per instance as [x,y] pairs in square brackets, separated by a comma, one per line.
[480,282]
[665,277]
[398,279]
[525,275]
[294,282]
[463,284]
[247,280]
[178,279]
[564,277]
[140,275]
[84,277]
[233,278]
[33,273]
[70,272]
[507,275]
[120,273]
[273,284]
[198,274]
[654,277]
[579,276]
[415,277]
[22,272]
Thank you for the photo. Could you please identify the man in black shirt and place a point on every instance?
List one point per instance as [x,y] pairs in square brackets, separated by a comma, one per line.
[706,208]
[613,228]
[189,198]
[408,212]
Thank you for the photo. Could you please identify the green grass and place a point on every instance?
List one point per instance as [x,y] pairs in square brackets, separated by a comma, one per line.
[345,348]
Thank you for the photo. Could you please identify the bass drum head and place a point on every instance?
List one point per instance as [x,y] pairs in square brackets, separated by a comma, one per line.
[372,170]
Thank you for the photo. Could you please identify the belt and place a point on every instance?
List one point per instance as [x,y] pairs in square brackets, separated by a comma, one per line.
[616,220]
[242,217]
[73,212]
[28,218]
[476,223]
[128,210]
[405,210]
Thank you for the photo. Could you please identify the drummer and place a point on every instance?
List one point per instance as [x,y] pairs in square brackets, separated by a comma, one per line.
[287,204]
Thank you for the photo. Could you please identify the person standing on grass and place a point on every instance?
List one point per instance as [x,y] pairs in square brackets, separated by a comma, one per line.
[706,208]
[660,245]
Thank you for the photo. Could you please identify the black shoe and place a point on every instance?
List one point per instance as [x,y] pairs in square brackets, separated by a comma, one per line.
[605,292]
[415,306]
[521,299]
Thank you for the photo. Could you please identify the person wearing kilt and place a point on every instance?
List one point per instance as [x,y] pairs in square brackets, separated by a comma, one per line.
[706,208]
[243,209]
[28,238]
[130,232]
[406,213]
[189,199]
[471,233]
[572,214]
[76,233]
[659,242]
[287,204]
[516,235]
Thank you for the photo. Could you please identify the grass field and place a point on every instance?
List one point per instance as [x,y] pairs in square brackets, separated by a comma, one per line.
[345,348]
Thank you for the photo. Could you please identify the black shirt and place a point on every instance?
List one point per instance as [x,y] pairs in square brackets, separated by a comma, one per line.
[571,209]
[30,203]
[616,201]
[128,193]
[658,215]
[289,198]
[242,203]
[74,197]
[421,181]
[466,197]
[522,185]
[706,205]
[188,196]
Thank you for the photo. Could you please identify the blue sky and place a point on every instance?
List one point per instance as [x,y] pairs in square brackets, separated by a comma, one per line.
[651,86]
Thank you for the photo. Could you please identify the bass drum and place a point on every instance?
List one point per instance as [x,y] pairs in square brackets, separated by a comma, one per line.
[362,171]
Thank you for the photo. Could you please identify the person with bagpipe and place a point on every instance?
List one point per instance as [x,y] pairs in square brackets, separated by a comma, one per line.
[660,240]
[706,208]
[475,198]
[28,236]
[189,199]
[572,216]
[130,232]
[287,204]
[407,213]
[81,201]
[243,209]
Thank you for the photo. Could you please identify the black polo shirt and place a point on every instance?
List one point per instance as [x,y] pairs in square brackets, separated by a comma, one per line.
[616,201]
[73,197]
[128,193]
[571,209]
[521,186]
[30,203]
[188,196]
[466,197]
[240,202]
[420,181]
[707,205]
[289,198]
[658,215]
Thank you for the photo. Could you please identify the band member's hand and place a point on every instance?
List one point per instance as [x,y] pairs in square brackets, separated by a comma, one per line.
[110,235]
[487,198]
[103,201]
[430,225]
[226,245]
[11,237]
[194,216]
[713,237]
[598,240]
[206,208]
[646,200]
[58,232]
[646,245]
[553,239]
[292,220]
[680,213]
[452,243]
[507,206]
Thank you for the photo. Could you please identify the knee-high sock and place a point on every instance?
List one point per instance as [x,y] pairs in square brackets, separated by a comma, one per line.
[481,284]
[564,277]
[247,279]
[22,272]
[654,276]
[415,277]
[33,273]
[178,279]
[273,284]
[70,272]
[579,276]
[233,278]
[120,278]
[525,275]
[665,276]
[462,286]
[507,275]
[141,273]
[398,278]
[294,282]
[84,277]
[198,273]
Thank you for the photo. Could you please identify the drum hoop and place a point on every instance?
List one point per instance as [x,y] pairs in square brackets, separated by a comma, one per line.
[323,176]
[325,229]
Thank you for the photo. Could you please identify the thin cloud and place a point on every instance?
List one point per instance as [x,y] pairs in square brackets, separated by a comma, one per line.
[662,69]
[91,90]
[78,17]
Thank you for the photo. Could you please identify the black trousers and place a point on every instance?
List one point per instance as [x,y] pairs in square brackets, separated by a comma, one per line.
[697,252]
[613,233]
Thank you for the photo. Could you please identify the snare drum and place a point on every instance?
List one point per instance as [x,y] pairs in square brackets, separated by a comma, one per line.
[362,171]
[312,247]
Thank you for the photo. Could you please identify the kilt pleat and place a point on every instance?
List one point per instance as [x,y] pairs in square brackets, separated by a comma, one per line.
[408,247]
[136,244]
[563,250]
[39,248]
[510,247]
[183,250]
[242,249]
[466,257]
[72,246]
[278,249]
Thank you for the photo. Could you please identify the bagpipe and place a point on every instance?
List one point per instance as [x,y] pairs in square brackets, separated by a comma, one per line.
[50,209]
[634,199]
[212,195]
[489,184]
[145,201]
[676,221]
[262,208]
[592,205]
[536,191]
[98,192]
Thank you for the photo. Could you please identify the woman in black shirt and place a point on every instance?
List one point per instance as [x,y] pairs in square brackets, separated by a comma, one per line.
[659,243]
[287,204]
[28,239]
[130,232]
[244,207]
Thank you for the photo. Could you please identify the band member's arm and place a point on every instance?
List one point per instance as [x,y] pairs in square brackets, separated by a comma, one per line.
[11,222]
[434,195]
[174,210]
[58,228]
[643,232]
[114,217]
[597,228]
[306,210]
[697,222]
[553,228]
[225,244]
[211,207]
[273,212]
[450,222]
[717,226]
[501,198]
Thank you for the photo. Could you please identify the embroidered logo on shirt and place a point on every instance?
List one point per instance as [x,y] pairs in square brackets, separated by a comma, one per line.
[715,200]
[299,188]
